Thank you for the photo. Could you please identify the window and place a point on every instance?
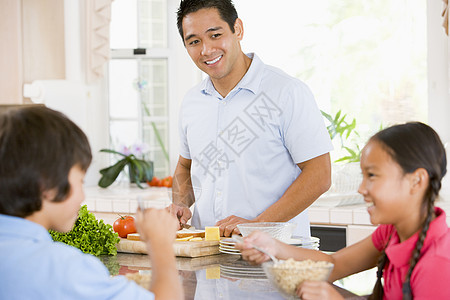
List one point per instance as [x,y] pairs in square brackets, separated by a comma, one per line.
[366,58]
[138,78]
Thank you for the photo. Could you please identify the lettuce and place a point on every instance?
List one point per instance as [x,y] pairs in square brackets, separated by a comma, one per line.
[89,235]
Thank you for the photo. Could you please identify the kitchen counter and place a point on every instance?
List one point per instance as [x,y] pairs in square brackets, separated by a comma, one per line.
[203,278]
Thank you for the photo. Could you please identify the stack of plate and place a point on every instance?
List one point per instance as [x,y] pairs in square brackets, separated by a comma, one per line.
[241,269]
[227,246]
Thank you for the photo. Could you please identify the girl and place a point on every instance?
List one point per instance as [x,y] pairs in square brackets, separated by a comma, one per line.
[402,169]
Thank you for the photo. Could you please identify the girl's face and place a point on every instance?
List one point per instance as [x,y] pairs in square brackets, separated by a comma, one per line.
[385,187]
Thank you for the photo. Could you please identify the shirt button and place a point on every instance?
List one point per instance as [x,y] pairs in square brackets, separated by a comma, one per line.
[219,193]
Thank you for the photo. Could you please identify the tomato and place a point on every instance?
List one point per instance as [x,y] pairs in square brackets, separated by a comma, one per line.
[155,182]
[124,225]
[167,182]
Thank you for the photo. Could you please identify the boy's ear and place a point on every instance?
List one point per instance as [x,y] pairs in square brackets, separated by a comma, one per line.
[49,195]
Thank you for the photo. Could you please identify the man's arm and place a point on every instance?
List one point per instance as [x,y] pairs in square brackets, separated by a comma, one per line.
[314,180]
[182,191]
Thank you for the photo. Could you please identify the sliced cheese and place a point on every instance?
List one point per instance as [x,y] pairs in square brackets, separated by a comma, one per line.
[196,239]
[134,236]
[212,233]
[184,239]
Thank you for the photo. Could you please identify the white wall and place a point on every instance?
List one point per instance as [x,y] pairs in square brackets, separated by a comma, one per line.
[438,80]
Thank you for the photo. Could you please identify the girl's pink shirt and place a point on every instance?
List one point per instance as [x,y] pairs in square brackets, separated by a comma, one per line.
[430,278]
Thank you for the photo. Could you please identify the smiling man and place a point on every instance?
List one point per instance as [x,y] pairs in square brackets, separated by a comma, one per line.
[254,147]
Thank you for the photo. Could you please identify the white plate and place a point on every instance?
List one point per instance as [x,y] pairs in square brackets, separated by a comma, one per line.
[229,252]
[228,241]
[227,247]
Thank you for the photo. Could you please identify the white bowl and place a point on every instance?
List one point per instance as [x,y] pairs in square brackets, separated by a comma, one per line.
[279,230]
[286,275]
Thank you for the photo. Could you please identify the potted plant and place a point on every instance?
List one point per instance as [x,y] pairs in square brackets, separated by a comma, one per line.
[139,169]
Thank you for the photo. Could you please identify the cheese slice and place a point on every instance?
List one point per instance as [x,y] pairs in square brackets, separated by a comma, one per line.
[196,239]
[184,239]
[212,233]
[133,236]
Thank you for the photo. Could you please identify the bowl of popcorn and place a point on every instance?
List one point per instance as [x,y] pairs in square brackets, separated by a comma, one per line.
[286,275]
[279,230]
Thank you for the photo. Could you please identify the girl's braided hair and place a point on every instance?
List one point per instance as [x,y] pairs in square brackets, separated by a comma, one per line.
[413,145]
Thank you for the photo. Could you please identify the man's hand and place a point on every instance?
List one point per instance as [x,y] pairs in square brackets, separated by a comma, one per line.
[156,225]
[227,226]
[182,213]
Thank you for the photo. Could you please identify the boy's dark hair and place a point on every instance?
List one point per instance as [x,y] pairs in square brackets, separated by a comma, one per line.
[414,145]
[226,10]
[38,147]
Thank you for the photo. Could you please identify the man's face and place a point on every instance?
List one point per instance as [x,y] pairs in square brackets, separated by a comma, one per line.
[211,44]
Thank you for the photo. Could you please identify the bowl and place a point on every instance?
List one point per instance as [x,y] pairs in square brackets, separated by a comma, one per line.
[279,230]
[286,275]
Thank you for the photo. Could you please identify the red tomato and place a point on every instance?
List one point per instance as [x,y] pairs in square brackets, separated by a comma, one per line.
[167,182]
[155,182]
[124,225]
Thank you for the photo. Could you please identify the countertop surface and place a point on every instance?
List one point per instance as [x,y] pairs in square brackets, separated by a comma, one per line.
[223,276]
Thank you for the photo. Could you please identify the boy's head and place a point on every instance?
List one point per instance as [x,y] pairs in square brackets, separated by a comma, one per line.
[225,8]
[38,148]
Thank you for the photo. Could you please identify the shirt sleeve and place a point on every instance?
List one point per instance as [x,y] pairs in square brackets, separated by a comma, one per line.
[381,236]
[303,128]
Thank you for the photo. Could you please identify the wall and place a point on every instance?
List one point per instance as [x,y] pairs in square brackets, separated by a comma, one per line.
[438,80]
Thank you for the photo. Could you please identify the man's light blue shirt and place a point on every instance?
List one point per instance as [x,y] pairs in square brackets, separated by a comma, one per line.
[245,147]
[32,266]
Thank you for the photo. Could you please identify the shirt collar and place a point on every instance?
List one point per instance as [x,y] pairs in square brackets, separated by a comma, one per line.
[399,254]
[21,228]
[251,80]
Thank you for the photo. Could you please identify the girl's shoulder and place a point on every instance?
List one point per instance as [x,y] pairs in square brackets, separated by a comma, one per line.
[381,235]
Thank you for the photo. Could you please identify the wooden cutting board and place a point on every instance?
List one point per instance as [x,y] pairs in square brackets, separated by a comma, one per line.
[186,249]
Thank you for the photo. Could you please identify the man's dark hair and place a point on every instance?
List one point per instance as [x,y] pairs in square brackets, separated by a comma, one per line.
[226,10]
[38,148]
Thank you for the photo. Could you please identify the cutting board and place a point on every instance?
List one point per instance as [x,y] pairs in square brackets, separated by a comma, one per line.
[186,249]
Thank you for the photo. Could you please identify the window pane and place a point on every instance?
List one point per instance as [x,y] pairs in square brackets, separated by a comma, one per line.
[138,24]
[123,93]
[367,58]
[152,23]
[124,133]
[155,112]
[123,26]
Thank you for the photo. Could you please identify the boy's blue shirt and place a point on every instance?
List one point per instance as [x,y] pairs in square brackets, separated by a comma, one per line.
[33,266]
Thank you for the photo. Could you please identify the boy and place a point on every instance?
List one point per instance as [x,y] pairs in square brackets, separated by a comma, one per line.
[44,157]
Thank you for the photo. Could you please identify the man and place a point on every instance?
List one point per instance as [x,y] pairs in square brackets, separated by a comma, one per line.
[254,146]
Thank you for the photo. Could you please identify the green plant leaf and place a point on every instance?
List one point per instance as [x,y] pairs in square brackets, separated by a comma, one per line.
[110,174]
[113,152]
